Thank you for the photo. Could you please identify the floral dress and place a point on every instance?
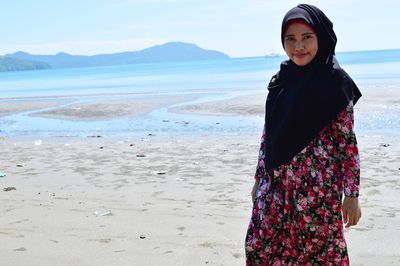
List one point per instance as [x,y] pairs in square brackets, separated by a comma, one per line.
[297,213]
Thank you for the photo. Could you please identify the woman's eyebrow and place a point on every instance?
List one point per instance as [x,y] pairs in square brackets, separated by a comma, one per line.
[305,33]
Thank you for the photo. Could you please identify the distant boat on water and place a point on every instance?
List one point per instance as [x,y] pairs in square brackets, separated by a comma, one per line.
[272,54]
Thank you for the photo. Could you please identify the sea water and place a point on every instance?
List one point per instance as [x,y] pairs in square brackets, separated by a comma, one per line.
[202,81]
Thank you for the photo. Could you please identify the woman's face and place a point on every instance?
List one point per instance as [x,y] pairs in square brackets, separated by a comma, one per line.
[301,43]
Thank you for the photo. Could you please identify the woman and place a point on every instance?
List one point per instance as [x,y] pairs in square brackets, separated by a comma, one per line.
[308,155]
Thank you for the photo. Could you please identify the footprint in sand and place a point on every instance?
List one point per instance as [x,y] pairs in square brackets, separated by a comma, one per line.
[207,245]
[237,255]
[373,192]
[19,221]
[101,240]
[156,193]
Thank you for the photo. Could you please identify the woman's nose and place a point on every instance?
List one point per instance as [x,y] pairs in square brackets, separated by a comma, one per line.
[298,45]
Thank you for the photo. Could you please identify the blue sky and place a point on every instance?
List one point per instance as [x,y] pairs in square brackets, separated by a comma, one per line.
[237,27]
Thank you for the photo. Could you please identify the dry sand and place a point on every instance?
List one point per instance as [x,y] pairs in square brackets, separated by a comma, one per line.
[187,202]
[175,201]
[183,203]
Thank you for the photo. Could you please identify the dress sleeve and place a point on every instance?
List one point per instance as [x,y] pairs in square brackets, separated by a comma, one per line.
[260,169]
[349,160]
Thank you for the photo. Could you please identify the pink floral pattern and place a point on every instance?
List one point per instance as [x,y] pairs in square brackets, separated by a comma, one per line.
[297,215]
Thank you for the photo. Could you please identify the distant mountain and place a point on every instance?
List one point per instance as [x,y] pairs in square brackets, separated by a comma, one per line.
[169,52]
[13,64]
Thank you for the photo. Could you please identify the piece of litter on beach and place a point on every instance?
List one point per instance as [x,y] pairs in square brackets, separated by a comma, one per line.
[142,236]
[166,120]
[131,145]
[38,142]
[179,179]
[101,147]
[2,174]
[95,136]
[161,173]
[384,145]
[9,188]
[150,134]
[140,155]
[20,165]
[102,213]
[196,163]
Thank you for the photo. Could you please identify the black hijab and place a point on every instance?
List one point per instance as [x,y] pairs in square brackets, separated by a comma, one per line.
[302,100]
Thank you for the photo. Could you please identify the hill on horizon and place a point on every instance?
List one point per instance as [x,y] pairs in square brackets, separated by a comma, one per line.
[168,52]
[14,64]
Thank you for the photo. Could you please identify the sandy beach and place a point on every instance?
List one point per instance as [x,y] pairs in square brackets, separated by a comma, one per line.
[12,106]
[162,200]
[73,108]
[249,105]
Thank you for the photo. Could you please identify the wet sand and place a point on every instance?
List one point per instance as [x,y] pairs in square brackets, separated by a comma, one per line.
[250,105]
[110,108]
[12,106]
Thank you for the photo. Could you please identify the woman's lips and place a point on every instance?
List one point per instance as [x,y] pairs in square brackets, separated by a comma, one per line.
[300,55]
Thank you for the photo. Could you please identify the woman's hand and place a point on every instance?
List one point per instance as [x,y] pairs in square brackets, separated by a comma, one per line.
[351,211]
[254,190]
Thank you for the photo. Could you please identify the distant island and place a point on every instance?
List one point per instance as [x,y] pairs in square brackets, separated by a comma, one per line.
[168,52]
[14,64]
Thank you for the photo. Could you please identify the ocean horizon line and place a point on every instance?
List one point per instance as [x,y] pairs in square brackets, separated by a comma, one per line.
[275,54]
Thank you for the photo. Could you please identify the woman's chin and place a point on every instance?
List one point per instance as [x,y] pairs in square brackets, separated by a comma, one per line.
[301,61]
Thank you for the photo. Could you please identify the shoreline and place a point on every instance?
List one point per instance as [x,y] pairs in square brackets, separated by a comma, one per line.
[375,102]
